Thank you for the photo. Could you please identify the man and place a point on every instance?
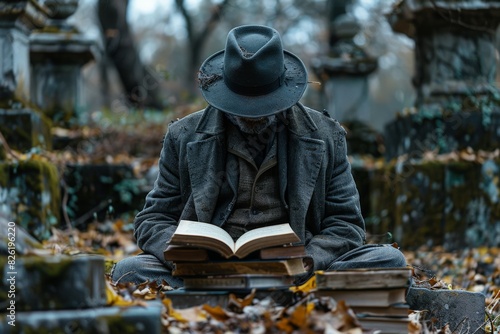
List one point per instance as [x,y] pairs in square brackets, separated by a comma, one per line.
[255,156]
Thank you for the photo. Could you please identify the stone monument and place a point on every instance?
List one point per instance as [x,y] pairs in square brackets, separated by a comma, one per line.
[442,177]
[344,70]
[57,54]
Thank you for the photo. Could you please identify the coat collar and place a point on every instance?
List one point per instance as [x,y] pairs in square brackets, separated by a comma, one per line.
[211,122]
[299,122]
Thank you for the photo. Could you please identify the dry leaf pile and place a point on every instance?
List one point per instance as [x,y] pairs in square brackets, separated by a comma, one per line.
[473,270]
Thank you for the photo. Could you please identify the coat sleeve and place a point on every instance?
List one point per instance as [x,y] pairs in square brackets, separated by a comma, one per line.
[342,227]
[156,223]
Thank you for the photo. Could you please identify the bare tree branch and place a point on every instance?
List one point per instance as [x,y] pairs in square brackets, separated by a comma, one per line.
[197,40]
[141,86]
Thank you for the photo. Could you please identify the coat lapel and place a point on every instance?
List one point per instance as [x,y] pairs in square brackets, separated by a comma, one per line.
[206,162]
[304,159]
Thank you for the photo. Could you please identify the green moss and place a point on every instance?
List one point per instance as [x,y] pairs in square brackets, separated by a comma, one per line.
[424,205]
[4,174]
[380,219]
[25,128]
[462,180]
[46,272]
[3,153]
[108,266]
[50,268]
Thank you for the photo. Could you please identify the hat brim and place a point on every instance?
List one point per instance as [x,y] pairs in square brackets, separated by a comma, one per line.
[217,94]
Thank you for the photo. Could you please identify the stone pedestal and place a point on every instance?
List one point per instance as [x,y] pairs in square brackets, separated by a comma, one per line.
[57,54]
[344,70]
[451,201]
[454,45]
[17,19]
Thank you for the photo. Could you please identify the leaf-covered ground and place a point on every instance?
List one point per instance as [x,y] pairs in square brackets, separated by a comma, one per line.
[475,270]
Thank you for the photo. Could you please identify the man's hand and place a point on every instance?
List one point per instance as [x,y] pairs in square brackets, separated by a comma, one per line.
[308,263]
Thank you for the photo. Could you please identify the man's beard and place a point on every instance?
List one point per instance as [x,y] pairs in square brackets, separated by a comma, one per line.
[252,126]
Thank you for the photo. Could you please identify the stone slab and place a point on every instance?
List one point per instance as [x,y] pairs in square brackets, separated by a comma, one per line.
[463,311]
[109,320]
[53,282]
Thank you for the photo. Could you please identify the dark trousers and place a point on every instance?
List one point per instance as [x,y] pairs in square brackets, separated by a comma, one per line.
[146,267]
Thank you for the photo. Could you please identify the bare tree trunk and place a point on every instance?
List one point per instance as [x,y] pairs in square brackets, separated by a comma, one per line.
[140,84]
[198,38]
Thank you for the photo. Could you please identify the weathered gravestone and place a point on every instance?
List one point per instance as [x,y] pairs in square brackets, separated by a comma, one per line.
[66,294]
[461,311]
[344,70]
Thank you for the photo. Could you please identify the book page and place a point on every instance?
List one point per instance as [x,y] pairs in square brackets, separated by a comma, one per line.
[267,232]
[199,229]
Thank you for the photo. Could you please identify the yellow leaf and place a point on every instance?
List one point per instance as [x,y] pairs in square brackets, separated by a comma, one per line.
[284,325]
[242,302]
[216,312]
[171,312]
[306,287]
[301,314]
[114,299]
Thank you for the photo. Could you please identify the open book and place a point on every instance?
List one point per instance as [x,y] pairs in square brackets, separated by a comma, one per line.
[212,237]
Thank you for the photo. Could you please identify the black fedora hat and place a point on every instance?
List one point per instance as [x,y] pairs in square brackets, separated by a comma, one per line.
[253,76]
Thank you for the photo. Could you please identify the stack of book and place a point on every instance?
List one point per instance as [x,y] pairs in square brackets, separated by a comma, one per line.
[377,296]
[207,258]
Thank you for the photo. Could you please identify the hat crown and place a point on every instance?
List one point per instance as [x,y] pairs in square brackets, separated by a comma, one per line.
[253,60]
[253,76]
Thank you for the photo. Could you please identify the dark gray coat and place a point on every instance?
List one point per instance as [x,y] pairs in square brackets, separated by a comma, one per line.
[316,184]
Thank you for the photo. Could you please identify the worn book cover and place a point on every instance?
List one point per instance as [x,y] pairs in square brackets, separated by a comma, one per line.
[288,267]
[282,252]
[212,237]
[185,254]
[395,310]
[363,278]
[374,297]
